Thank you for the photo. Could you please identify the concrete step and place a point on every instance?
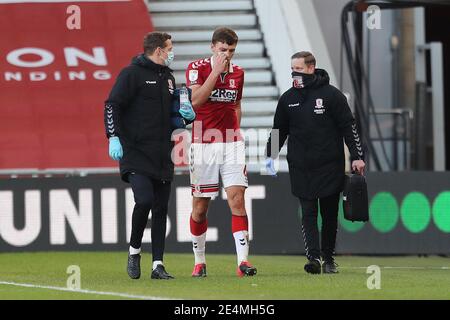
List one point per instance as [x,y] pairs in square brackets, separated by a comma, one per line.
[203,49]
[206,35]
[196,6]
[246,63]
[261,77]
[206,20]
[257,122]
[251,108]
[262,91]
[256,136]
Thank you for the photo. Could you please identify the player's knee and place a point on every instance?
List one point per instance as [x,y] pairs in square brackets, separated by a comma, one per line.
[237,201]
[199,210]
[199,215]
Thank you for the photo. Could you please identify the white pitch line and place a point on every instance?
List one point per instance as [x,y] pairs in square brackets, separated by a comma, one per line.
[414,268]
[56,1]
[85,291]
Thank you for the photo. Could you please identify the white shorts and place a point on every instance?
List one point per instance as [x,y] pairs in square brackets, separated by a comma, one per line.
[208,160]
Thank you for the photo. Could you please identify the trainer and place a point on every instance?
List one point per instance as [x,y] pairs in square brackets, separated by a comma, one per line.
[316,117]
[139,127]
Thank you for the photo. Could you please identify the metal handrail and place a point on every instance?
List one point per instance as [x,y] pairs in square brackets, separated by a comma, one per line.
[406,116]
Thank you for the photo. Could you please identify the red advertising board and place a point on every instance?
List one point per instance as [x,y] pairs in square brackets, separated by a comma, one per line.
[58,61]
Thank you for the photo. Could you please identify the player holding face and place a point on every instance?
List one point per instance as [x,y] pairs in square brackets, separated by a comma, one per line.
[217,147]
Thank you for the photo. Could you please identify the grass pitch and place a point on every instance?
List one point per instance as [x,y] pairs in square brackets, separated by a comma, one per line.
[103,276]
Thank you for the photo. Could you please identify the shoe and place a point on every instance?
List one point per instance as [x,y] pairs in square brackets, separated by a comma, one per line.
[246,269]
[134,266]
[329,266]
[313,266]
[199,270]
[161,273]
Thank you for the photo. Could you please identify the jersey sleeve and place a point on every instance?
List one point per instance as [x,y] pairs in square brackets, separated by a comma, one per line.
[193,75]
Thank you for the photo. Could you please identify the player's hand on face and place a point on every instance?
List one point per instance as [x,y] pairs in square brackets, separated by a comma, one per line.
[220,63]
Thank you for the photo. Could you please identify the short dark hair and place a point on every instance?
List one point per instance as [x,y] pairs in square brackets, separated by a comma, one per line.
[153,40]
[225,35]
[308,56]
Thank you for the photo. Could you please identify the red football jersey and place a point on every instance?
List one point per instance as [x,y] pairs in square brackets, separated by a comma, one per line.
[219,112]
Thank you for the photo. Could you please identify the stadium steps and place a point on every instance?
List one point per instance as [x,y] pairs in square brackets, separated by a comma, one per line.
[198,6]
[191,24]
[246,63]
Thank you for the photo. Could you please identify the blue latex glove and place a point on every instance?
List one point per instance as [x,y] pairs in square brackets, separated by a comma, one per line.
[270,167]
[187,111]
[115,148]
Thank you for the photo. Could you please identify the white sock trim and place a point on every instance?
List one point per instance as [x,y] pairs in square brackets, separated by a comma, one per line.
[242,245]
[199,248]
[156,263]
[134,251]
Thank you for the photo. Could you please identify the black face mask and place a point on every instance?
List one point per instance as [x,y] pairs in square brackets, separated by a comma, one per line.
[302,80]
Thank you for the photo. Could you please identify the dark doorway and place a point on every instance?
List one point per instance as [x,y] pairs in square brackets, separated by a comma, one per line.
[437,26]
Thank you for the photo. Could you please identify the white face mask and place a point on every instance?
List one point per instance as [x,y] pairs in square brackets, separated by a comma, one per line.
[170,57]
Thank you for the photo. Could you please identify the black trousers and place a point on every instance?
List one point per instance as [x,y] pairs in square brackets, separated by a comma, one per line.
[150,194]
[329,207]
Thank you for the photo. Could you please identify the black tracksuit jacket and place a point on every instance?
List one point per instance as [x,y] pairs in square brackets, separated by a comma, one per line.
[317,120]
[138,112]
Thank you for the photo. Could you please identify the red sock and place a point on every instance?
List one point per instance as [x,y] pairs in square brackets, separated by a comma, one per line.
[197,229]
[239,223]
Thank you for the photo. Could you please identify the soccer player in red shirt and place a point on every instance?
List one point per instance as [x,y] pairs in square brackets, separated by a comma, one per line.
[217,147]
